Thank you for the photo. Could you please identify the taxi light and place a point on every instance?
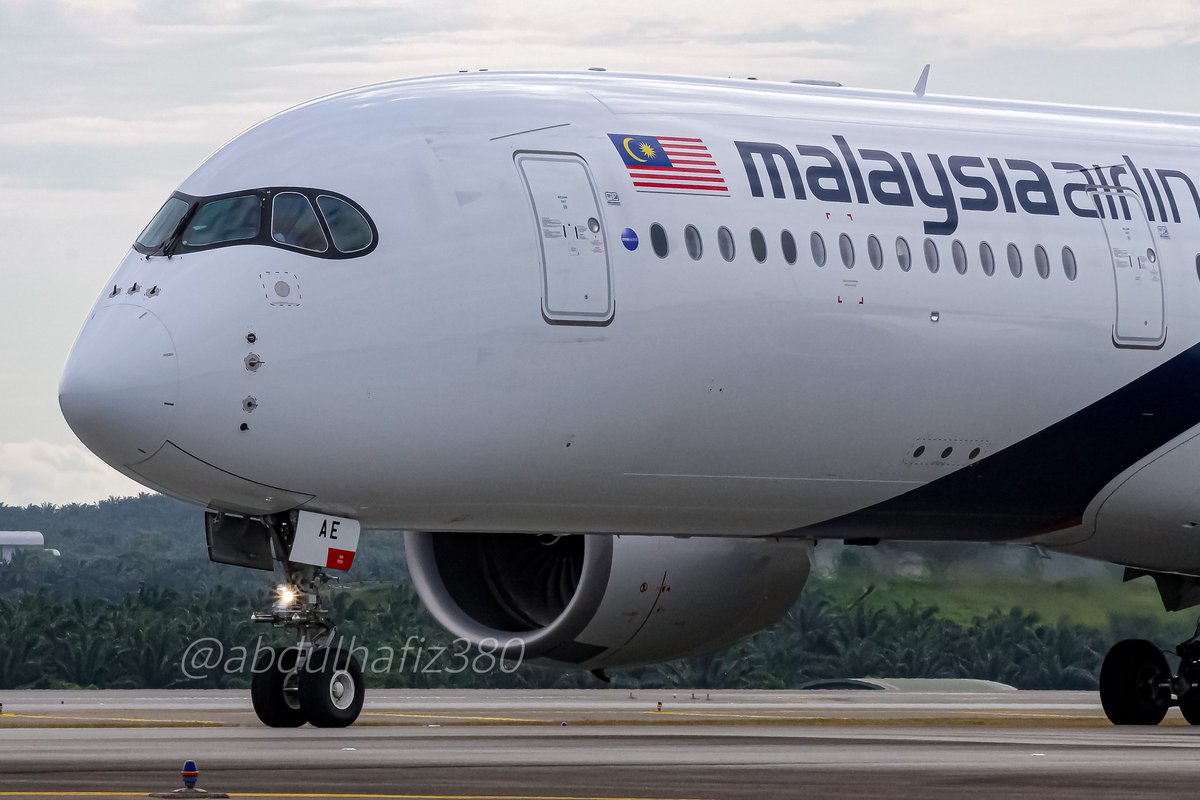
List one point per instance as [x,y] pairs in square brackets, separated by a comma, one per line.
[285,595]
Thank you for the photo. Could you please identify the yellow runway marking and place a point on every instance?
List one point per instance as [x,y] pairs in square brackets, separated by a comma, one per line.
[442,716]
[715,715]
[447,796]
[114,719]
[350,794]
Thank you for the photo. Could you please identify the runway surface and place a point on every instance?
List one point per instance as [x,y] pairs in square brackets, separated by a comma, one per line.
[860,744]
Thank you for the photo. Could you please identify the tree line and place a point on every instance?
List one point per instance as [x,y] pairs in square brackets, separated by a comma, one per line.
[142,641]
[133,593]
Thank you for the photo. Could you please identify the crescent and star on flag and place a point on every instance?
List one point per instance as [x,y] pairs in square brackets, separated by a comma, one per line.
[644,147]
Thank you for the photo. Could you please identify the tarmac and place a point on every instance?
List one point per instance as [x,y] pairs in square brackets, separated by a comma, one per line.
[601,745]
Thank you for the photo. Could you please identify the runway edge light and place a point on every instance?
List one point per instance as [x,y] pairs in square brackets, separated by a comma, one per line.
[190,774]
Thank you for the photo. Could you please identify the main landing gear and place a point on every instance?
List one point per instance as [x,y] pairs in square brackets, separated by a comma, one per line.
[1137,687]
[314,680]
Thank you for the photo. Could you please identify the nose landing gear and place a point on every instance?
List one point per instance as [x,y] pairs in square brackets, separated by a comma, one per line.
[1137,687]
[315,680]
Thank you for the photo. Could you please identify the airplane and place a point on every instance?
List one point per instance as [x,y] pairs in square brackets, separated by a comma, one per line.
[617,351]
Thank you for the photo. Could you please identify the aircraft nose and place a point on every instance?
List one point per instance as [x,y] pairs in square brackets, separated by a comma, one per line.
[120,385]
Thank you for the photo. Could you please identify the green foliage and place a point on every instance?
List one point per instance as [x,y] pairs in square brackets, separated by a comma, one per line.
[139,641]
[134,588]
[113,548]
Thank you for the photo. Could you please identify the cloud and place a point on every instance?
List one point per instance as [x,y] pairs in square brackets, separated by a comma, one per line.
[108,104]
[36,471]
[184,124]
[1064,25]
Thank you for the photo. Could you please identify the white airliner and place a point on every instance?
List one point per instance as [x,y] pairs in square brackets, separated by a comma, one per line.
[618,349]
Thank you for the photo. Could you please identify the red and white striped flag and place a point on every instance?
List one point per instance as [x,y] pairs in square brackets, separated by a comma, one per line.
[670,164]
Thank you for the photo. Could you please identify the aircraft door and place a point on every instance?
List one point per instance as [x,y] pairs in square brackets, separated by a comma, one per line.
[1140,318]
[576,275]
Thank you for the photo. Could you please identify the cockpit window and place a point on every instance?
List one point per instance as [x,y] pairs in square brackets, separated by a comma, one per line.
[298,219]
[349,228]
[164,223]
[227,220]
[294,223]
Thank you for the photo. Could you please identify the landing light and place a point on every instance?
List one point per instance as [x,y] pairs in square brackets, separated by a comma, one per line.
[285,595]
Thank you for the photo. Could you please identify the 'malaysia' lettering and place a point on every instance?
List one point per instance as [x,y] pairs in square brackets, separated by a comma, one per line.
[958,183]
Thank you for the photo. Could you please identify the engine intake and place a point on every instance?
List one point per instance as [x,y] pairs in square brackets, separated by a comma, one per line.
[605,601]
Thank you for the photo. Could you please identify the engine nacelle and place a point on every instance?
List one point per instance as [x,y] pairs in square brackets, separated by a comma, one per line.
[605,601]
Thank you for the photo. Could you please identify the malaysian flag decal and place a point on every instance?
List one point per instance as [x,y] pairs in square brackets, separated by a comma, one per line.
[673,164]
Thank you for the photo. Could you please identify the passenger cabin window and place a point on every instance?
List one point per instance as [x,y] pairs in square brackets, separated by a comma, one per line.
[227,220]
[875,251]
[1042,261]
[987,259]
[1014,260]
[1070,268]
[692,242]
[725,243]
[959,254]
[903,254]
[658,240]
[350,230]
[758,245]
[817,243]
[932,259]
[294,223]
[846,249]
[787,243]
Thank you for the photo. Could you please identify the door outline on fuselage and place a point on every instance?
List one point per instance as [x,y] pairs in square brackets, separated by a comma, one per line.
[559,275]
[1140,314]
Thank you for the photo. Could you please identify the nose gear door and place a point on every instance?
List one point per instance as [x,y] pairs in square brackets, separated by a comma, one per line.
[576,275]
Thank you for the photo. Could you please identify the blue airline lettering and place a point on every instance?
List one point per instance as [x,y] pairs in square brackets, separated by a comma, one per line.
[966,182]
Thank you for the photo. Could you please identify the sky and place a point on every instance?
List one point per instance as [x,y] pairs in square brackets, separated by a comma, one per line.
[107,105]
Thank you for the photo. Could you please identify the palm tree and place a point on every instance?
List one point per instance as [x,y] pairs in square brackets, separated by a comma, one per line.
[22,641]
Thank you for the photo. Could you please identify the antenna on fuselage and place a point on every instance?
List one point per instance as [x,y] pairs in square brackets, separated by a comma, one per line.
[922,82]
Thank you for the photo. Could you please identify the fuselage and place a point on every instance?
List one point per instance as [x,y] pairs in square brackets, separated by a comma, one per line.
[492,366]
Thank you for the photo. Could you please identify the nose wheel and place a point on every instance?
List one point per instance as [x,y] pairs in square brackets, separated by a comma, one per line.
[275,689]
[315,680]
[331,688]
[326,691]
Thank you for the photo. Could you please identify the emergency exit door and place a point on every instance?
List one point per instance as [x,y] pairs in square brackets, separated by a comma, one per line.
[576,275]
[1140,314]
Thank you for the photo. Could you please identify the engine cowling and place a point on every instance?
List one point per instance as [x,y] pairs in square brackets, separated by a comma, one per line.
[601,600]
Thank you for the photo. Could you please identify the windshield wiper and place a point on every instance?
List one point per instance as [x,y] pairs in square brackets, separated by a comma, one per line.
[167,248]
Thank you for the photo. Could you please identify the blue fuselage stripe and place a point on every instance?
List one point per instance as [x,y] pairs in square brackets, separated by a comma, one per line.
[1045,481]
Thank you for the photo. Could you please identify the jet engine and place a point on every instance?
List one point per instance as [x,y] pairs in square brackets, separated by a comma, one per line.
[602,600]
